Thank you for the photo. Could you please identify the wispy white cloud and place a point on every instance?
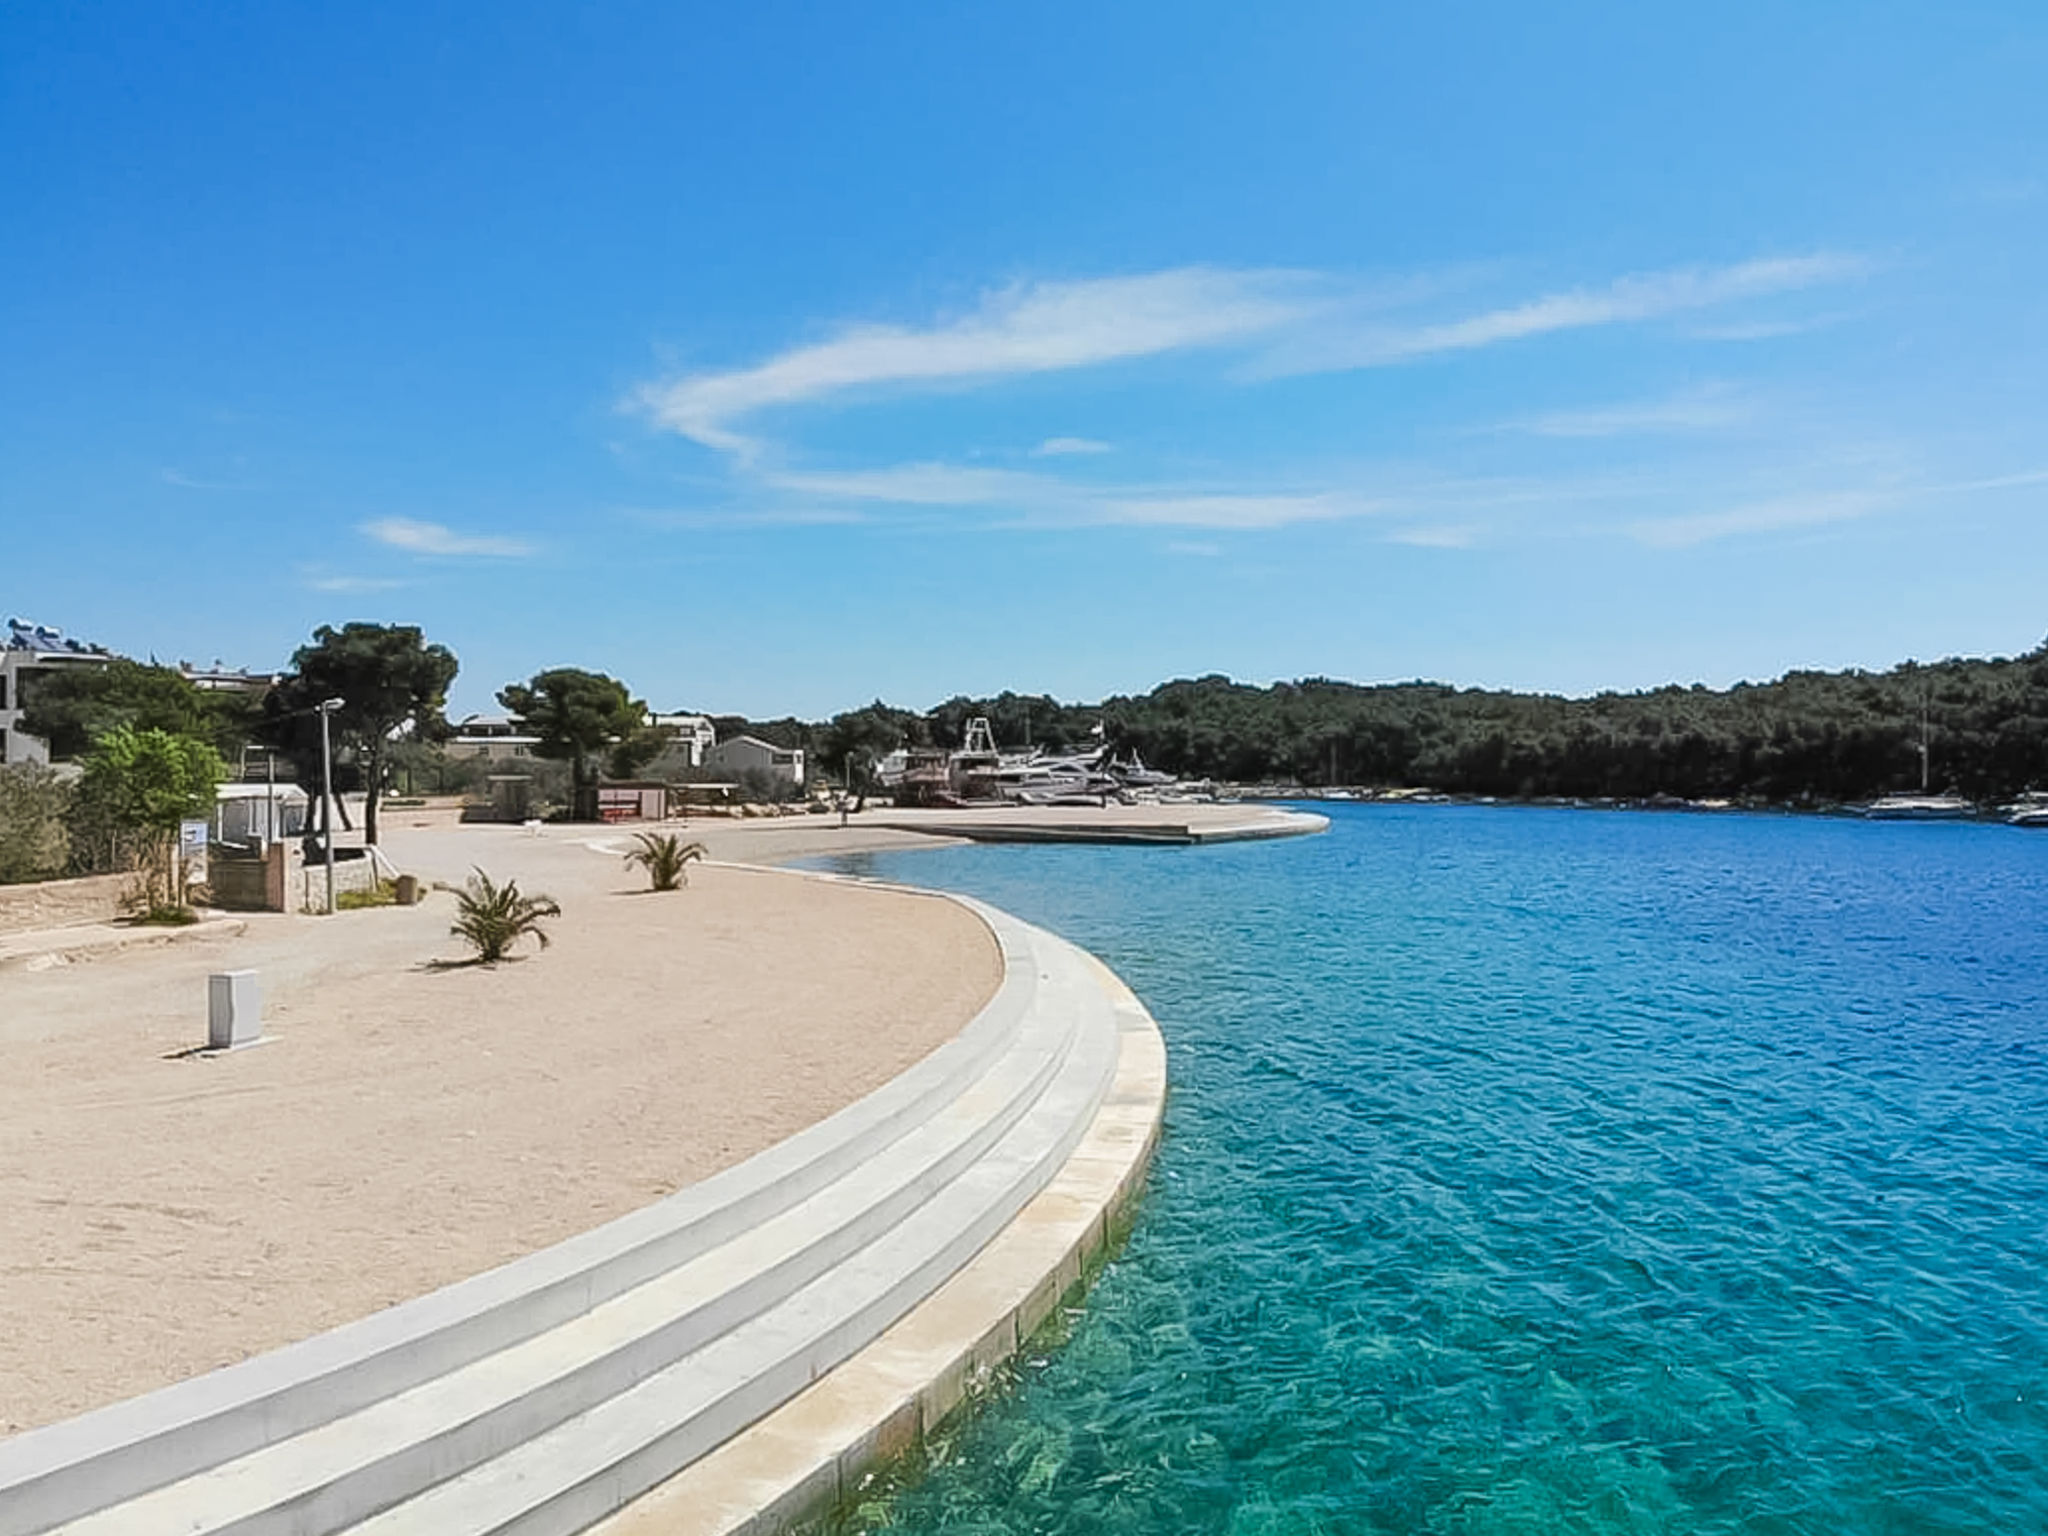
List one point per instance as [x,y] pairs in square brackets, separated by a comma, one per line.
[1439,507]
[1628,300]
[1410,504]
[1225,510]
[1278,322]
[1046,499]
[421,538]
[1773,515]
[1027,328]
[1888,487]
[924,485]
[1701,410]
[700,519]
[1300,323]
[1461,537]
[321,583]
[1759,330]
[2003,482]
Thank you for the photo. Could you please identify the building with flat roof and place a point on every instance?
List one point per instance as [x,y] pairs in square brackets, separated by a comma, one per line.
[491,738]
[29,652]
[690,737]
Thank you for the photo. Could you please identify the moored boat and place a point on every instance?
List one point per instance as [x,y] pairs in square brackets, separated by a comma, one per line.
[2030,810]
[1921,807]
[1925,805]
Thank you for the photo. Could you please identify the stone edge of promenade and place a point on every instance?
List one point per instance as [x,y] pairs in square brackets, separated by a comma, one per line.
[998,1297]
[983,825]
[820,1449]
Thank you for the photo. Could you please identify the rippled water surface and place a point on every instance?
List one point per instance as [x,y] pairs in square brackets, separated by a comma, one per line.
[1533,1171]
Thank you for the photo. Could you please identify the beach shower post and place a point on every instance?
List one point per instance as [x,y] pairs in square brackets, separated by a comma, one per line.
[328,707]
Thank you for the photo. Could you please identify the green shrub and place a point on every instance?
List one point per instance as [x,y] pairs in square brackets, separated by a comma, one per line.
[145,783]
[34,841]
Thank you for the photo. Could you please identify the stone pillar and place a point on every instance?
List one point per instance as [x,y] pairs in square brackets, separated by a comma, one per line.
[277,864]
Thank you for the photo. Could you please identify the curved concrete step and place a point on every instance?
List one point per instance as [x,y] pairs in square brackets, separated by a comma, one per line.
[339,1472]
[772,1271]
[68,1469]
[560,1482]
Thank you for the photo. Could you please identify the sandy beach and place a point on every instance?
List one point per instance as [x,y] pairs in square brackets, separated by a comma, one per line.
[163,1214]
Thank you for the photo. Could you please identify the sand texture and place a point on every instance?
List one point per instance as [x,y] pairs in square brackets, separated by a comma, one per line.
[162,1214]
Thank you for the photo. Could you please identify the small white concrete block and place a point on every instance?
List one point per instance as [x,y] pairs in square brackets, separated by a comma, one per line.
[234,1010]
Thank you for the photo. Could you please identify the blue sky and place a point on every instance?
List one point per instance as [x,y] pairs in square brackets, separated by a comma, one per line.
[774,358]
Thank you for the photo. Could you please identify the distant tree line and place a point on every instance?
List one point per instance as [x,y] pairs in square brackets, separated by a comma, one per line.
[1807,737]
[140,732]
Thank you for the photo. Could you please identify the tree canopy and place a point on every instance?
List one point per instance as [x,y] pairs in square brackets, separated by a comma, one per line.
[578,716]
[146,782]
[1806,737]
[391,682]
[860,738]
[71,707]
[151,779]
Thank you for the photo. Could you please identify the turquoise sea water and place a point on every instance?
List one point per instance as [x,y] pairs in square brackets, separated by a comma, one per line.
[1536,1170]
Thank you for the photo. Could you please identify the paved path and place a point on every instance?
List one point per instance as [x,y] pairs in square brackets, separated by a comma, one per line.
[41,949]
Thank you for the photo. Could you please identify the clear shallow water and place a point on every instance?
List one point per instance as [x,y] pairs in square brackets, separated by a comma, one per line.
[1533,1171]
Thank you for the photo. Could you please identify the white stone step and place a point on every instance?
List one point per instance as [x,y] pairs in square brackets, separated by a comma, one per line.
[335,1473]
[66,1469]
[581,1374]
[560,1482]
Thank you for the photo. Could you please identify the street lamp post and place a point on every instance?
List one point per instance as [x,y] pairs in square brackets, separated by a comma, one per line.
[328,707]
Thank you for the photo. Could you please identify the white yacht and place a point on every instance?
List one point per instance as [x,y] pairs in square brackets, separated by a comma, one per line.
[2030,810]
[1920,807]
[1133,773]
[1923,806]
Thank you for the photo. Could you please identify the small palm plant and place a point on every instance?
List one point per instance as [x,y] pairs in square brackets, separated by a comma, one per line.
[493,917]
[664,856]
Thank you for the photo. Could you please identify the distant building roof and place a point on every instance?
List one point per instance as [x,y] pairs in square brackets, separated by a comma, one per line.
[490,728]
[221,678]
[47,640]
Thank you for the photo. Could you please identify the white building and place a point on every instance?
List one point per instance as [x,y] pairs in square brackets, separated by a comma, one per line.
[494,738]
[741,754]
[27,652]
[690,737]
[258,813]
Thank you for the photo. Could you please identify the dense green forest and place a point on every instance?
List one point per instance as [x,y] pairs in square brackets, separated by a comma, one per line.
[1807,737]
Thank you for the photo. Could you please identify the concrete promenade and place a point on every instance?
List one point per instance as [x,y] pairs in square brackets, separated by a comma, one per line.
[547,1394]
[853,1284]
[1111,824]
[163,1215]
